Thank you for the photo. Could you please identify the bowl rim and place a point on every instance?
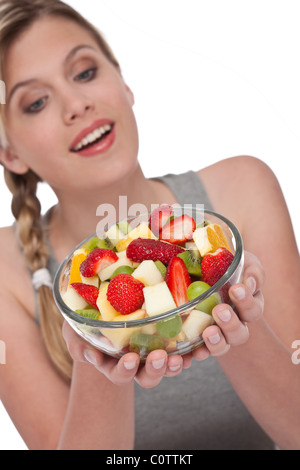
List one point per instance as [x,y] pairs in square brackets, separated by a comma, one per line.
[102,324]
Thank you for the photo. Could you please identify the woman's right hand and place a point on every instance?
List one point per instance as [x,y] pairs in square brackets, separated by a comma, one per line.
[129,367]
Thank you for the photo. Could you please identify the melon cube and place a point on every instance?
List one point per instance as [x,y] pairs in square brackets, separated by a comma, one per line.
[106,309]
[141,231]
[196,323]
[73,300]
[158,299]
[148,273]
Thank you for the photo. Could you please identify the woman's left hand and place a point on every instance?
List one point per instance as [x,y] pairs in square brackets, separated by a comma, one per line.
[231,328]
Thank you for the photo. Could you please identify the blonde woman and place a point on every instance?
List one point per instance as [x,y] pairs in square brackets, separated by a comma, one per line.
[63,82]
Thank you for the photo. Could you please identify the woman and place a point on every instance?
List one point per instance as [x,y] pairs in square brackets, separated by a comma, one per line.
[80,399]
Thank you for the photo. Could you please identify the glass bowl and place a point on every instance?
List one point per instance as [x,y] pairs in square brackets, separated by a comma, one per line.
[178,330]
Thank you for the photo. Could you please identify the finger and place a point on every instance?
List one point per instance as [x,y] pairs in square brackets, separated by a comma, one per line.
[254,274]
[234,331]
[174,365]
[201,353]
[215,341]
[154,369]
[249,307]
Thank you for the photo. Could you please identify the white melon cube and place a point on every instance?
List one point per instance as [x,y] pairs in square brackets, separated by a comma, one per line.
[141,231]
[196,323]
[201,240]
[148,273]
[73,300]
[115,234]
[92,281]
[158,299]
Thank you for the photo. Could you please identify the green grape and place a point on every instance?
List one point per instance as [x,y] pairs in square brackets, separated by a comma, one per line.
[198,288]
[140,341]
[122,270]
[170,327]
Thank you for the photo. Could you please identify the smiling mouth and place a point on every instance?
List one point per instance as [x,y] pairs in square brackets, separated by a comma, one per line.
[93,138]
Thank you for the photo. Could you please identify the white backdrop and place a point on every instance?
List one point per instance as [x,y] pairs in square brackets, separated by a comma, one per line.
[211,79]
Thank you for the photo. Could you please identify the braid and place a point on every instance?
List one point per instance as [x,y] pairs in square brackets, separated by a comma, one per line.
[26,209]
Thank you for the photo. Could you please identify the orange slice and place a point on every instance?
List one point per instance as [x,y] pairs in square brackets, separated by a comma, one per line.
[208,239]
[78,258]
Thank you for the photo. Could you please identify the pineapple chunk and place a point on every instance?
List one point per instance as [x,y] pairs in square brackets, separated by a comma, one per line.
[148,273]
[106,309]
[196,323]
[141,231]
[158,299]
[120,337]
[106,273]
[210,238]
[73,300]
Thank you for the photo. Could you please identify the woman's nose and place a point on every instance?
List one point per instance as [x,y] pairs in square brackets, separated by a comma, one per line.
[75,106]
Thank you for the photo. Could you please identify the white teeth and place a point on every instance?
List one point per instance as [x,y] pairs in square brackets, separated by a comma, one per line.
[93,136]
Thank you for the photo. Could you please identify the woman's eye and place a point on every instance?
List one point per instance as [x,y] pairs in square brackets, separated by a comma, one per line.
[36,106]
[86,75]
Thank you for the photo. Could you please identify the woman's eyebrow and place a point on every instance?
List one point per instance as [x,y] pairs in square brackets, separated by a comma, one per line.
[69,57]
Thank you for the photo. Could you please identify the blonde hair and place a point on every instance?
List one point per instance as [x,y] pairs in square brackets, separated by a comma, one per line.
[15,17]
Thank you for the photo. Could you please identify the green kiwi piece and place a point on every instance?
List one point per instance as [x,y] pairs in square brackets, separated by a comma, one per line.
[89,312]
[124,227]
[161,267]
[96,242]
[140,341]
[192,259]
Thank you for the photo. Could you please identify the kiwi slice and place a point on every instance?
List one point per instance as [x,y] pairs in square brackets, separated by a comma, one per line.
[89,312]
[161,267]
[192,259]
[140,341]
[96,242]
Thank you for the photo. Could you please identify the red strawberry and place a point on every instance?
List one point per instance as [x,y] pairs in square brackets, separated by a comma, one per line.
[159,217]
[96,260]
[141,249]
[88,292]
[178,230]
[214,265]
[178,280]
[125,293]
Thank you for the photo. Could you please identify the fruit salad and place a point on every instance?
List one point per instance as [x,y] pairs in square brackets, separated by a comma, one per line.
[142,272]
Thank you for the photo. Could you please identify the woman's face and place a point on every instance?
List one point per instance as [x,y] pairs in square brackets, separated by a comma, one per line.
[69,113]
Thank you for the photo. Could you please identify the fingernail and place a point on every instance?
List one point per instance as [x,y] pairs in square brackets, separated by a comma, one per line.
[129,365]
[215,338]
[224,315]
[90,356]
[239,293]
[251,284]
[158,364]
[174,368]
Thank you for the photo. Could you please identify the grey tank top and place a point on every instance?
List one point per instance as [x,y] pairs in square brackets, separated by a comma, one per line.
[198,409]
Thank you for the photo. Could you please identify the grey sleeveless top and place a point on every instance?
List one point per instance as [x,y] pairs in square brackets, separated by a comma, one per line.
[198,409]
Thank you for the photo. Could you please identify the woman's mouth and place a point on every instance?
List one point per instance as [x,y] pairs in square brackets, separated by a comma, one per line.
[95,140]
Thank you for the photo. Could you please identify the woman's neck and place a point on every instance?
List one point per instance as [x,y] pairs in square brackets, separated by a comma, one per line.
[77,215]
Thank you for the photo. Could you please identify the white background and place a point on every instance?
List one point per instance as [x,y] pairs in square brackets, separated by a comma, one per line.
[211,79]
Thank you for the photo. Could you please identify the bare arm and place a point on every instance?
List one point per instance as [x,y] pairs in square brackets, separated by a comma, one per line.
[260,368]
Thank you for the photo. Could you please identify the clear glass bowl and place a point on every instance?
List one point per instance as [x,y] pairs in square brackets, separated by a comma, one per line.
[116,338]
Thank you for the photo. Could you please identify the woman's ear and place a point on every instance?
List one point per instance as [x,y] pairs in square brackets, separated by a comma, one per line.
[12,162]
[130,94]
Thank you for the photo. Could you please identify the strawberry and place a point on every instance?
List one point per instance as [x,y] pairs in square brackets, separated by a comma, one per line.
[125,293]
[96,260]
[214,265]
[178,280]
[141,249]
[159,217]
[178,230]
[88,292]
